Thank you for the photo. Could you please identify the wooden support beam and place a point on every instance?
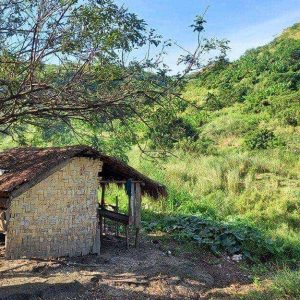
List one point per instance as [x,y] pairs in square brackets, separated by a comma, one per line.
[138,205]
[134,210]
[131,204]
[137,215]
[117,211]
[102,195]
[114,216]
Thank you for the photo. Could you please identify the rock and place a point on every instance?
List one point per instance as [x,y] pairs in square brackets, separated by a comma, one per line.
[237,257]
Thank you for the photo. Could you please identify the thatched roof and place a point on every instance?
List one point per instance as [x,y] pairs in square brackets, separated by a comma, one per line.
[20,166]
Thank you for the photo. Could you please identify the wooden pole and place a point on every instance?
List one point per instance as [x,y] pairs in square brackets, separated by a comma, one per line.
[102,204]
[131,204]
[137,214]
[117,210]
[103,195]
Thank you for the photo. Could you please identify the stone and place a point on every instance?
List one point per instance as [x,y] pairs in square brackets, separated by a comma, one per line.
[237,257]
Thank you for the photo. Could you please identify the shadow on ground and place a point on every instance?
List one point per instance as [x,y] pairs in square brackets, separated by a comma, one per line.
[148,273]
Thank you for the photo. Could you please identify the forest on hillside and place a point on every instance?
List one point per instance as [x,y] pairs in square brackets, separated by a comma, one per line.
[224,138]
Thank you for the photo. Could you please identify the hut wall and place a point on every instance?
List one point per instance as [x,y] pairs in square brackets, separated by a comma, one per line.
[58,216]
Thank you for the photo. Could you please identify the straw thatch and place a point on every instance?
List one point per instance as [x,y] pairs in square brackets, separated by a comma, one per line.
[20,166]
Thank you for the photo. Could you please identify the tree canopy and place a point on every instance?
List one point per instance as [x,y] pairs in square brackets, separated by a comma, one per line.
[69,60]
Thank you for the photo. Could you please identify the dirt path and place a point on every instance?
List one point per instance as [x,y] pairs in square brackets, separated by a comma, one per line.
[152,272]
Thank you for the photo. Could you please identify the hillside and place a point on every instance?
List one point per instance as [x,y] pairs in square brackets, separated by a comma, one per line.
[244,167]
[261,89]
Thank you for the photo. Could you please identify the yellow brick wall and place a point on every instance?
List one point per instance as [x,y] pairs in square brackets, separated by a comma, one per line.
[58,216]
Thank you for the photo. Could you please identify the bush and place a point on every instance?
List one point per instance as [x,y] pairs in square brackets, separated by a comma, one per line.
[261,139]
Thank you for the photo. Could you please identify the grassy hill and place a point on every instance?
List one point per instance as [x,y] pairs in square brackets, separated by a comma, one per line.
[243,170]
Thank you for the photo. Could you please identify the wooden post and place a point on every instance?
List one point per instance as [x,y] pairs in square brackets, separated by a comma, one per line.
[103,195]
[137,213]
[117,210]
[131,204]
[102,205]
[130,212]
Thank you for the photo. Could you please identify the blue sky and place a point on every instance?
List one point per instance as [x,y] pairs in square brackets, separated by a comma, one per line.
[246,23]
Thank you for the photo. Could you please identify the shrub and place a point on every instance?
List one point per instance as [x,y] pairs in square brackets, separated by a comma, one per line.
[212,102]
[261,139]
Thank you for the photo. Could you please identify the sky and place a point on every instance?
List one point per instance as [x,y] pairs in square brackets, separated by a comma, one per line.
[245,23]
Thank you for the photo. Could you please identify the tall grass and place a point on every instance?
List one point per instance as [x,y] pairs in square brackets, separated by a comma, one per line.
[261,188]
[285,284]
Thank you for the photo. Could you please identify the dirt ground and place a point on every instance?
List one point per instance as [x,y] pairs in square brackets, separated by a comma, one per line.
[157,270]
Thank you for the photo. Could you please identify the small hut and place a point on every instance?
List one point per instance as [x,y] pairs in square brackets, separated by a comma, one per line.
[48,199]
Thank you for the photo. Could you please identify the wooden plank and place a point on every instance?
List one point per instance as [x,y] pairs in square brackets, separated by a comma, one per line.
[118,217]
[102,195]
[131,204]
[117,211]
[137,215]
[138,205]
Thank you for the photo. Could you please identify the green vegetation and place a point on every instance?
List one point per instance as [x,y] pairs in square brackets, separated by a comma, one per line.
[241,189]
[285,284]
[241,166]
[217,236]
[235,162]
[240,177]
[234,173]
